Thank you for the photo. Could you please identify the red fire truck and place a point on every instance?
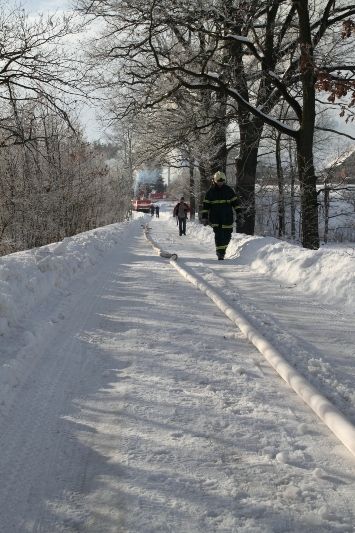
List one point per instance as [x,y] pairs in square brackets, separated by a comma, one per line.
[141,204]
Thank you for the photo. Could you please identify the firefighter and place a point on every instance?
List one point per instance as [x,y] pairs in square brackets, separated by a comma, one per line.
[217,211]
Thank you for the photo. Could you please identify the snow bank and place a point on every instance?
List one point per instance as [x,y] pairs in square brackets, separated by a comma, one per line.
[328,274]
[26,278]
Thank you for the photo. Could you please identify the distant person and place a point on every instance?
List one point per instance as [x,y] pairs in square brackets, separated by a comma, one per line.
[180,211]
[152,209]
[217,211]
[157,211]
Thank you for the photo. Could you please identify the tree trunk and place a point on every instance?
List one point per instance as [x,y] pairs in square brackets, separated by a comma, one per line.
[309,203]
[218,156]
[326,210]
[308,190]
[292,185]
[204,185]
[192,189]
[280,184]
[246,163]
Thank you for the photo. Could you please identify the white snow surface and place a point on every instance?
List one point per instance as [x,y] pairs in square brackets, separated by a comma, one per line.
[130,403]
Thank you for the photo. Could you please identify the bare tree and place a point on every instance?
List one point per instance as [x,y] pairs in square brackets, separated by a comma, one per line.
[253,53]
[56,185]
[37,62]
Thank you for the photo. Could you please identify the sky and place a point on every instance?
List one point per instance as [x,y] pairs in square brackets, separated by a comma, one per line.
[87,114]
[45,5]
[137,394]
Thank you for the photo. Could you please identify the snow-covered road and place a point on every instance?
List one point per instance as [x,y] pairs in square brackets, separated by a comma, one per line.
[145,410]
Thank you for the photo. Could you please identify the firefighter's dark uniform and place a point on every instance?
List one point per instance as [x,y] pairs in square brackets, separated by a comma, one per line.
[218,210]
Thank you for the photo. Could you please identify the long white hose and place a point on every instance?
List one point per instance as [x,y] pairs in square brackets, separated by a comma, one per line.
[342,428]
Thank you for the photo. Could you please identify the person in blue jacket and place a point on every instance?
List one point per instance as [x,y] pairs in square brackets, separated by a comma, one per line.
[217,211]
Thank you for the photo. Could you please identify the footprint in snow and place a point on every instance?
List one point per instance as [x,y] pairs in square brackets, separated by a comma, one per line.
[177,435]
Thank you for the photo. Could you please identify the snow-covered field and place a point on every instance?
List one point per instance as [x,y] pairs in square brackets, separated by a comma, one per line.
[130,403]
